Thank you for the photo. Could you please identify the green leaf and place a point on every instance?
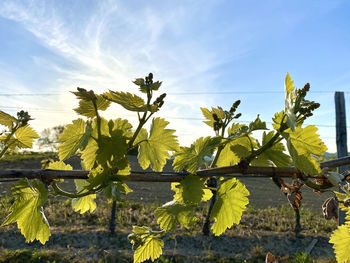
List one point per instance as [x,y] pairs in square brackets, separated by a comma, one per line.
[83,94]
[75,136]
[228,156]
[139,82]
[87,109]
[25,137]
[207,195]
[7,119]
[257,125]
[229,206]
[146,244]
[111,149]
[129,101]
[209,115]
[59,165]
[28,212]
[289,103]
[85,203]
[289,84]
[88,155]
[192,158]
[303,144]
[341,243]
[277,119]
[173,213]
[150,249]
[156,85]
[114,190]
[154,150]
[235,150]
[274,154]
[123,125]
[189,191]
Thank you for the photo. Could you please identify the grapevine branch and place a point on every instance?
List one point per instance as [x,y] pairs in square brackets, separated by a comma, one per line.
[228,171]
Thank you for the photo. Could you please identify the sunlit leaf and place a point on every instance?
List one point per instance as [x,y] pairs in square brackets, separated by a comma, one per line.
[173,213]
[208,114]
[74,136]
[146,245]
[129,101]
[303,145]
[289,103]
[229,206]
[341,243]
[192,158]
[189,191]
[25,137]
[274,154]
[27,210]
[7,119]
[154,149]
[87,108]
[257,125]
[85,203]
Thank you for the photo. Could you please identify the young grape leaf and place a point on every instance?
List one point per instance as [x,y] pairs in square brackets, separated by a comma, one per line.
[289,103]
[129,101]
[87,109]
[235,150]
[154,150]
[25,137]
[88,155]
[156,85]
[7,119]
[229,206]
[277,119]
[114,190]
[150,249]
[85,203]
[28,212]
[111,148]
[274,154]
[59,165]
[341,243]
[189,191]
[120,124]
[172,213]
[208,114]
[192,158]
[83,94]
[74,136]
[257,124]
[146,244]
[303,144]
[227,155]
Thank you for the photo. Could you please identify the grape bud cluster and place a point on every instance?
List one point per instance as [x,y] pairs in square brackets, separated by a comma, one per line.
[23,118]
[160,100]
[149,79]
[302,106]
[229,116]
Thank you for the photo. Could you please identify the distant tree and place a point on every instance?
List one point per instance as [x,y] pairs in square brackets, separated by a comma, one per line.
[49,137]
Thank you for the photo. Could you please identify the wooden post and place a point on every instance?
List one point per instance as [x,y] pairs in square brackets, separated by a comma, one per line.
[342,148]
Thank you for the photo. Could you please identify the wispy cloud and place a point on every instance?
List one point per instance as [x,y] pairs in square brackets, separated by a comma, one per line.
[109,47]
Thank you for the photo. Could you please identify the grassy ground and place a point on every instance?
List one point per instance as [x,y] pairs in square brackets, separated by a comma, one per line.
[85,238]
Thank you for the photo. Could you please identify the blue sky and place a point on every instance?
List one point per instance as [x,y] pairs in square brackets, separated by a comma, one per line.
[199,49]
